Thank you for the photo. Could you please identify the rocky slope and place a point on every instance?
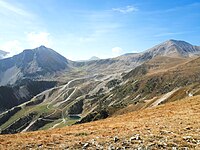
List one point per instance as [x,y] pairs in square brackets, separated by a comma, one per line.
[157,81]
[44,62]
[31,63]
[97,89]
[23,91]
[171,126]
[170,48]
[96,97]
[27,74]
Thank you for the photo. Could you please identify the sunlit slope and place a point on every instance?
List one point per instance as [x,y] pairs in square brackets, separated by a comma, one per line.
[175,124]
[158,81]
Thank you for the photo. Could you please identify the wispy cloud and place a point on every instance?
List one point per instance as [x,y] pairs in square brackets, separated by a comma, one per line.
[125,10]
[13,47]
[170,34]
[13,9]
[37,39]
[116,51]
[32,39]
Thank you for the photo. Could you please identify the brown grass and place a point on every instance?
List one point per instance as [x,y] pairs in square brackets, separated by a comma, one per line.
[172,121]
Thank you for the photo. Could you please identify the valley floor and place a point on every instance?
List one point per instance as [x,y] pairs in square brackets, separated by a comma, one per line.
[174,126]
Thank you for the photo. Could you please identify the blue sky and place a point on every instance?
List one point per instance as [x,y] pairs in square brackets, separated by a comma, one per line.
[79,29]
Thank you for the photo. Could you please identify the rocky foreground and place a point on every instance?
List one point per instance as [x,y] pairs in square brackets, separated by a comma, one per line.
[173,126]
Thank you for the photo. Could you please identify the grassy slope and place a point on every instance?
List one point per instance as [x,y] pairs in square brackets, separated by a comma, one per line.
[159,76]
[172,121]
[160,72]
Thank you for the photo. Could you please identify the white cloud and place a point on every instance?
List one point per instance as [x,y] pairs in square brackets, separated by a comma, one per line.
[116,51]
[5,6]
[34,40]
[37,39]
[13,47]
[168,34]
[125,10]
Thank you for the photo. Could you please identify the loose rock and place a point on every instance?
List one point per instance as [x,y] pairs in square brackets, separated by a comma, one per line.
[85,145]
[116,139]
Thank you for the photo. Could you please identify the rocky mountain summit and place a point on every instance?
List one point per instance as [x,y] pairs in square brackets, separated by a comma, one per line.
[173,48]
[31,63]
[94,58]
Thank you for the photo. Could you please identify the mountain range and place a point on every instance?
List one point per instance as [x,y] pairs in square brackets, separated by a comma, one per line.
[170,48]
[94,58]
[42,61]
[43,90]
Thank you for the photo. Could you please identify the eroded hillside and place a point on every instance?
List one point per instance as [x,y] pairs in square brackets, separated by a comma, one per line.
[171,126]
[98,89]
[80,100]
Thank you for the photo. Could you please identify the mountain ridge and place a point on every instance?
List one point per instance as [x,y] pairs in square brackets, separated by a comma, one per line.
[174,48]
[129,61]
[101,88]
[40,61]
[94,58]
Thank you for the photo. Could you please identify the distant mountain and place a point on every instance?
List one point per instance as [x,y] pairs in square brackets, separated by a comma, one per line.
[44,61]
[171,48]
[94,58]
[3,54]
[128,54]
[38,62]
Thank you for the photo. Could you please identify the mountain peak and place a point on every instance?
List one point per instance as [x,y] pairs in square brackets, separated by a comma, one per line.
[42,47]
[177,42]
[174,48]
[36,62]
[173,40]
[94,58]
[39,49]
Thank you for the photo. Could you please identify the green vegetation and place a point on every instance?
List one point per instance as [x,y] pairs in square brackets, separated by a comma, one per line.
[81,134]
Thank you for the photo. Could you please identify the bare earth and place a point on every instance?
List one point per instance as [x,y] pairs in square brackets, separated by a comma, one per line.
[174,126]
